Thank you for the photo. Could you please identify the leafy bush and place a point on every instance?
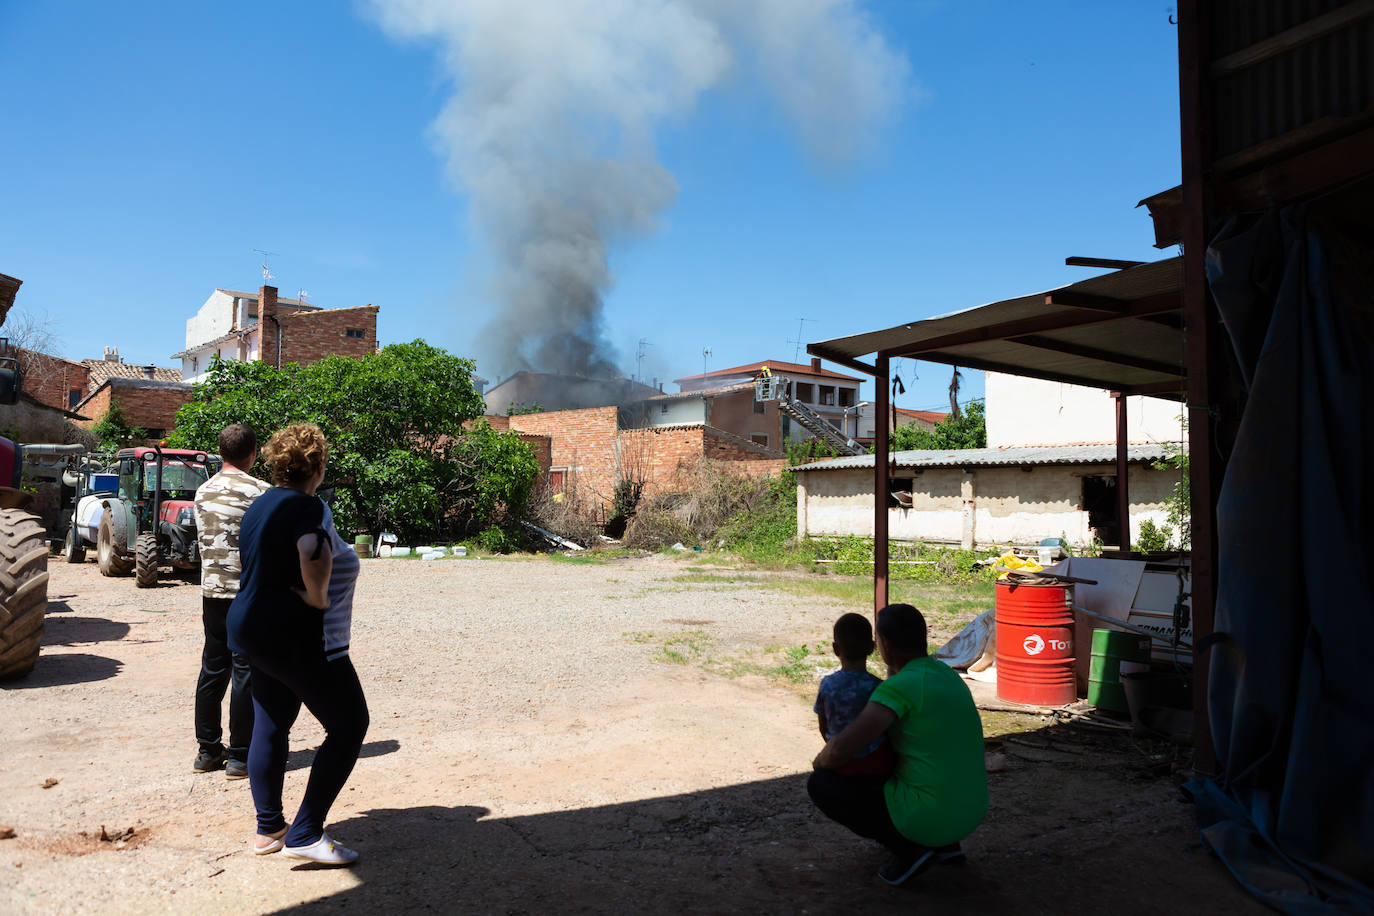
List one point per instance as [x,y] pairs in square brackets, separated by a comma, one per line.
[114,431]
[1153,537]
[498,540]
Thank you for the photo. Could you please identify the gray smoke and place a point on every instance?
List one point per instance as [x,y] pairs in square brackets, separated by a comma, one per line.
[551,131]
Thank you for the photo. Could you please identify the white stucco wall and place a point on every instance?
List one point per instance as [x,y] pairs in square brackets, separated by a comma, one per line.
[214,319]
[196,364]
[1028,411]
[983,506]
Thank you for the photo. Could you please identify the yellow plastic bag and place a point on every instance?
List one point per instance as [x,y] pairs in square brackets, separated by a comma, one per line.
[1009,561]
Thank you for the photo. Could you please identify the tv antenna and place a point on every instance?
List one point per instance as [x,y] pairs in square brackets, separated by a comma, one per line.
[266,271]
[705,355]
[302,293]
[640,352]
[801,326]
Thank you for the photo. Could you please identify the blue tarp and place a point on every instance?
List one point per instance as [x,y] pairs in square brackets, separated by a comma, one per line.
[1292,678]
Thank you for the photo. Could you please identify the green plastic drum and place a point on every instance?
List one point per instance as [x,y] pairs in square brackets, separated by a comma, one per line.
[363,545]
[1110,649]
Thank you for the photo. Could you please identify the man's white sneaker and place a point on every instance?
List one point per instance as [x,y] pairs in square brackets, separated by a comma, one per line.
[323,851]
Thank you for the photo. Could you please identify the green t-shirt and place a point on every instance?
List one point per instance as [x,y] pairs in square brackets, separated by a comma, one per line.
[939,792]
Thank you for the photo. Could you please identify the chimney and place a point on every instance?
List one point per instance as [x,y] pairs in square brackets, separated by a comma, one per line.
[815,364]
[149,372]
[269,328]
[106,357]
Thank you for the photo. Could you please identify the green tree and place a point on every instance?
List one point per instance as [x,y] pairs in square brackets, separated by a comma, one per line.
[407,450]
[114,431]
[968,430]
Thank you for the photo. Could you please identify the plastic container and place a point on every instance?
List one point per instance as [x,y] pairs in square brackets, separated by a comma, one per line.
[400,551]
[1035,652]
[1110,649]
[460,551]
[363,545]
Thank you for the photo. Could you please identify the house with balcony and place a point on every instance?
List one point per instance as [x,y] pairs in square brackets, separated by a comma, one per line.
[832,395]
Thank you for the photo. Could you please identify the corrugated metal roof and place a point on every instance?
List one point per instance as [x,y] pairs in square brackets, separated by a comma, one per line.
[996,457]
[1119,331]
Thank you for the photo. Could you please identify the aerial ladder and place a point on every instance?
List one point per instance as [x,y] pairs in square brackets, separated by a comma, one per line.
[777,388]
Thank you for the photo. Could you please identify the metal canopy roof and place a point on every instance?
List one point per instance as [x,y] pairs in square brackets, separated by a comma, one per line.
[1122,331]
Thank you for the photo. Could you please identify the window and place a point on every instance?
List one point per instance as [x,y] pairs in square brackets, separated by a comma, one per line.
[899,492]
[806,392]
[195,365]
[827,395]
[252,316]
[355,333]
[73,397]
[846,397]
[758,407]
[759,439]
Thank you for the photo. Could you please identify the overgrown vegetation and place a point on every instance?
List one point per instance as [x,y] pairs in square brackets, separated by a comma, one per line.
[408,452]
[967,430]
[1178,504]
[114,431]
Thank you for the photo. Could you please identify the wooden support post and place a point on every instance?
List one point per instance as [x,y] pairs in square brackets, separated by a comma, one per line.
[1123,489]
[1205,467]
[881,484]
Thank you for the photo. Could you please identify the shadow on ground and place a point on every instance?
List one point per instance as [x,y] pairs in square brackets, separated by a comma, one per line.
[71,631]
[301,758]
[1073,825]
[72,668]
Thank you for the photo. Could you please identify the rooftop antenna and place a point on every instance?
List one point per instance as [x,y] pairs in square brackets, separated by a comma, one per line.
[640,352]
[266,271]
[302,293]
[801,326]
[705,355]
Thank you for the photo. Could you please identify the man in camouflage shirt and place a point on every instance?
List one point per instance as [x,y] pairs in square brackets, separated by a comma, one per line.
[220,504]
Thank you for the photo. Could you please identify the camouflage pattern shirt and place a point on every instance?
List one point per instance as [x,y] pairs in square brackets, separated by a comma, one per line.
[220,504]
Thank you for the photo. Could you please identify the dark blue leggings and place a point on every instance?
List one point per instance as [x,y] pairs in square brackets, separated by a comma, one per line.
[330,690]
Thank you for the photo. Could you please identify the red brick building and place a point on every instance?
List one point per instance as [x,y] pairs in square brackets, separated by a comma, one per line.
[591,451]
[148,403]
[241,326]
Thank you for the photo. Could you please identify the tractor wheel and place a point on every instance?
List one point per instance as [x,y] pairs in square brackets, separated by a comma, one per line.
[106,557]
[23,590]
[145,560]
[72,549]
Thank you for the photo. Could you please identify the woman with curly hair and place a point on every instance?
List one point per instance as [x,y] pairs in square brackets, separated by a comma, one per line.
[291,618]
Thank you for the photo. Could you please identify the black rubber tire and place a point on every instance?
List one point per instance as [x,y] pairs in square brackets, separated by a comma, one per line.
[111,563]
[145,560]
[73,551]
[23,590]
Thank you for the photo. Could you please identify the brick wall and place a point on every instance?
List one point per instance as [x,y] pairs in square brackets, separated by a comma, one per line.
[583,441]
[152,407]
[598,453]
[49,378]
[267,325]
[308,337]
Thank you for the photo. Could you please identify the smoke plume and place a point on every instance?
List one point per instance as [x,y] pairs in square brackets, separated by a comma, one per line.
[550,131]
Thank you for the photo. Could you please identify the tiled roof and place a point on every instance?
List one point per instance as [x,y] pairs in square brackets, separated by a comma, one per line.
[101,369]
[929,416]
[773,365]
[996,457]
[703,392]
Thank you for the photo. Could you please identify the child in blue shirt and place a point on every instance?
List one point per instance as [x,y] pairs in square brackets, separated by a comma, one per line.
[844,693]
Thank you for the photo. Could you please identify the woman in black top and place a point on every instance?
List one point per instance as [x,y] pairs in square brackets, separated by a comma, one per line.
[277,622]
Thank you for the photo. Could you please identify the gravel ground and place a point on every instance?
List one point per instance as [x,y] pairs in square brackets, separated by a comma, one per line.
[531,750]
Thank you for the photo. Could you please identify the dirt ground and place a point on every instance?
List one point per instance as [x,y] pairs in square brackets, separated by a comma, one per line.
[534,747]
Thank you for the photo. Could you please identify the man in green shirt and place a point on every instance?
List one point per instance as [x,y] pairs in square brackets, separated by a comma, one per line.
[938,793]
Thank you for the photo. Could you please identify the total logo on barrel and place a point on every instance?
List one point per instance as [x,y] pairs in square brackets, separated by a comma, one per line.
[1035,660]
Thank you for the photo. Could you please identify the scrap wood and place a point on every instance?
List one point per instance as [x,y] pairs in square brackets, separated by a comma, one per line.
[6,833]
[551,537]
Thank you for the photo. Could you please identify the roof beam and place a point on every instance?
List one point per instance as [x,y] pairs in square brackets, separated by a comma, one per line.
[1113,263]
[1105,356]
[846,361]
[1163,303]
[989,365]
[1069,298]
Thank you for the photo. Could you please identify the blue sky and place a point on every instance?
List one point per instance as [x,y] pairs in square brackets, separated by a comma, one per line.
[150,147]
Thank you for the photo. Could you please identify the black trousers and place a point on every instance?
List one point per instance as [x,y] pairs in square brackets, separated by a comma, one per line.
[220,669]
[332,693]
[857,802]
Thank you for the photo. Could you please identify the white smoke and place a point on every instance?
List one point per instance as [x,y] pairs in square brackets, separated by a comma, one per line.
[551,130]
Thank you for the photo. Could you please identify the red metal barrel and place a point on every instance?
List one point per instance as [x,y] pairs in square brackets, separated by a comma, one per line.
[1035,644]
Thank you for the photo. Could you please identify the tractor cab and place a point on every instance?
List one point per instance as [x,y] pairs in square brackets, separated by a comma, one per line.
[157,489]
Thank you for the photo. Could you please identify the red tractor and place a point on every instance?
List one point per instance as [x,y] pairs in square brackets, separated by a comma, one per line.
[150,521]
[23,544]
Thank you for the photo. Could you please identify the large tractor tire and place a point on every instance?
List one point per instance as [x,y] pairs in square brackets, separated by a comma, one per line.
[73,551]
[23,590]
[145,560]
[106,557]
